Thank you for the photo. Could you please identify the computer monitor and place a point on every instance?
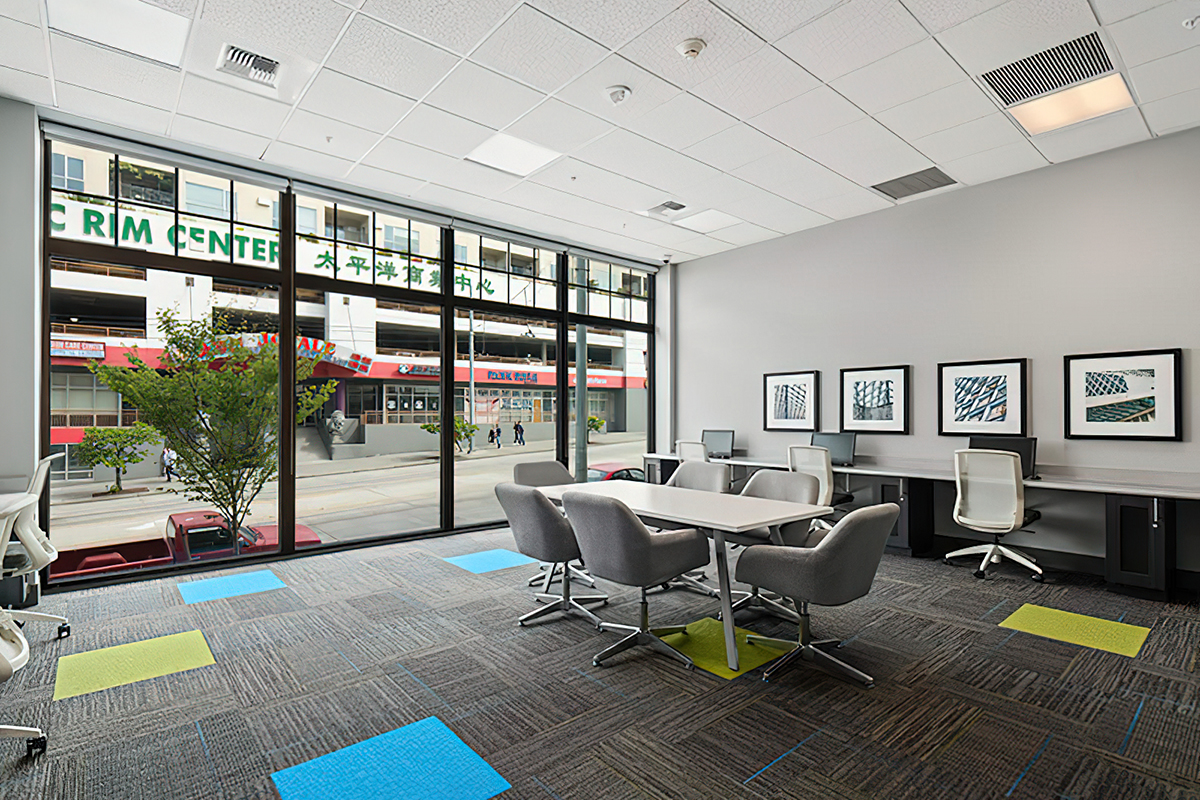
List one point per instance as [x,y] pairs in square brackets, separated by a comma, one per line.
[719,443]
[839,445]
[1024,446]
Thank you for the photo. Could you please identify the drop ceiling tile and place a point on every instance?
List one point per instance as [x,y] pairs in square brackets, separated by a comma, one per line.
[106,108]
[1164,77]
[610,22]
[937,111]
[25,86]
[852,204]
[808,116]
[866,153]
[386,57]
[277,28]
[993,164]
[441,131]
[734,147]
[584,180]
[482,95]
[757,83]
[794,176]
[233,108]
[538,50]
[681,121]
[903,76]
[727,44]
[218,137]
[23,48]
[666,236]
[560,127]
[704,246]
[774,19]
[744,233]
[1170,114]
[851,36]
[476,178]
[938,15]
[570,207]
[184,8]
[1094,136]
[355,102]
[457,26]
[723,192]
[381,180]
[21,10]
[328,136]
[404,158]
[774,212]
[1014,30]
[588,90]
[1155,33]
[1110,11]
[628,154]
[111,72]
[985,133]
[306,161]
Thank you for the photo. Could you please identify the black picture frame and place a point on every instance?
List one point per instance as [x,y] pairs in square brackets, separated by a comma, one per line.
[981,429]
[902,427]
[1168,430]
[774,425]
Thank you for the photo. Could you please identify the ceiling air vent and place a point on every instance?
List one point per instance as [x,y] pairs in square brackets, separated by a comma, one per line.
[924,181]
[250,66]
[1050,70]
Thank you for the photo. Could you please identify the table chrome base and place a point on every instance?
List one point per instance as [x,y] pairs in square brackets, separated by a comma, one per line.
[642,634]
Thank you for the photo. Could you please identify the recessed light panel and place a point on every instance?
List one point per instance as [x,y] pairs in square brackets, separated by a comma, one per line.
[127,25]
[1083,102]
[708,221]
[512,155]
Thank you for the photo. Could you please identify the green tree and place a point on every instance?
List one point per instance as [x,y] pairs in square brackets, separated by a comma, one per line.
[463,430]
[118,448]
[595,425]
[215,399]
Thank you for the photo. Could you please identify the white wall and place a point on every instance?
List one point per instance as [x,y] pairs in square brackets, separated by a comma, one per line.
[20,302]
[1093,255]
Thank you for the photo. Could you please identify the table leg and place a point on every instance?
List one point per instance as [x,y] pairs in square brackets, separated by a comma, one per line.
[731,653]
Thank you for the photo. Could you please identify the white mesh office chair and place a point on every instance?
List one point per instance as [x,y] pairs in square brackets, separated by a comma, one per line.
[14,648]
[814,461]
[991,499]
[33,551]
[691,451]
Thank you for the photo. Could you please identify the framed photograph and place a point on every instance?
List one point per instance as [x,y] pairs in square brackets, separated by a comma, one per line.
[1132,395]
[875,400]
[983,397]
[792,401]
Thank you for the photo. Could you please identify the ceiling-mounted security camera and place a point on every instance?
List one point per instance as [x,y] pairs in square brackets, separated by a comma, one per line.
[691,48]
[1190,24]
[618,94]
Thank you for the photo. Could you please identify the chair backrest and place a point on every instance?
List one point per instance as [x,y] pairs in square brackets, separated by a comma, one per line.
[775,484]
[813,461]
[691,451]
[12,659]
[541,473]
[38,481]
[540,529]
[991,493]
[614,542]
[8,523]
[702,475]
[846,560]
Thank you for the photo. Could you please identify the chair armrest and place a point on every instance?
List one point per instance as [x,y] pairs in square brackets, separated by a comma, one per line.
[785,570]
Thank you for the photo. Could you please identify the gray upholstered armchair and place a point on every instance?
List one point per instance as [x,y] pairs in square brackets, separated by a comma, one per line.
[836,571]
[549,473]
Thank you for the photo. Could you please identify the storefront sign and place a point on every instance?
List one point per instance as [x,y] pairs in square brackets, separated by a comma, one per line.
[71,348]
[420,370]
[321,350]
[512,377]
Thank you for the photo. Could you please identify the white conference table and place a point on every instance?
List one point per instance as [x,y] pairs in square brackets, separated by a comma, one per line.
[715,514]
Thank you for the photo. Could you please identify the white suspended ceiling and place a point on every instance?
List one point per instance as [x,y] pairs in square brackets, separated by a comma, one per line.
[794,109]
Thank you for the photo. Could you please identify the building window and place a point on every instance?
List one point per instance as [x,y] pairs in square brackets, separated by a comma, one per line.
[66,173]
[306,220]
[401,239]
[211,201]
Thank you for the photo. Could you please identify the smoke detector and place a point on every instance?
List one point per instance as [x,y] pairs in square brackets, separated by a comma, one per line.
[618,94]
[691,48]
[248,65]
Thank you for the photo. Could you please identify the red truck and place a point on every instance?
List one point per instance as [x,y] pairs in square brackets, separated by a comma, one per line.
[189,536]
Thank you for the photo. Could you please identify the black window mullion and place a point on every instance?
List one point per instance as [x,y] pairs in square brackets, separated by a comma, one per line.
[562,383]
[287,371]
[446,382]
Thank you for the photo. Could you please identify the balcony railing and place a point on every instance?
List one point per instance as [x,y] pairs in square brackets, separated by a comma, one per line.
[310,296]
[97,330]
[250,291]
[87,267]
[93,419]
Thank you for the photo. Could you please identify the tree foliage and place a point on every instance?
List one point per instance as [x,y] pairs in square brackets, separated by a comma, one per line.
[463,430]
[215,399]
[116,448]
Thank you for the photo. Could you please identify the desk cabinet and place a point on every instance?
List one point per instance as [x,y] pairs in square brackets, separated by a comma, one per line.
[1140,545]
[913,533]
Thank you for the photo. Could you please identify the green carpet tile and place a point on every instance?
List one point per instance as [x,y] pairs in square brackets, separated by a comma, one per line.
[363,642]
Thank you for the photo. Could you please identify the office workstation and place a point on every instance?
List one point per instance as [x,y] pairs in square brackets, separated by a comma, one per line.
[706,399]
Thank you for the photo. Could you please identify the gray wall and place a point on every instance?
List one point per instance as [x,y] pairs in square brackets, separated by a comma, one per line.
[20,303]
[1093,255]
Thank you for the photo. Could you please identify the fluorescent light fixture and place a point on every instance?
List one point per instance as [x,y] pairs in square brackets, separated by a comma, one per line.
[708,221]
[130,26]
[1085,101]
[512,155]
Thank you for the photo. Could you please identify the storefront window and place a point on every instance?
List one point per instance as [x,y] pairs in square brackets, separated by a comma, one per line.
[504,272]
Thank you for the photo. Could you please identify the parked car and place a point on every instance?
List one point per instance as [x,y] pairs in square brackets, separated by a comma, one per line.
[189,536]
[614,471]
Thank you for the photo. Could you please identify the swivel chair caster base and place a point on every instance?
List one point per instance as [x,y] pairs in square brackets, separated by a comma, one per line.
[35,745]
[979,573]
[64,631]
[1037,577]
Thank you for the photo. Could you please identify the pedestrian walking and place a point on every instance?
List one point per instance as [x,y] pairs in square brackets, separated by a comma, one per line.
[518,433]
[498,434]
[168,463]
